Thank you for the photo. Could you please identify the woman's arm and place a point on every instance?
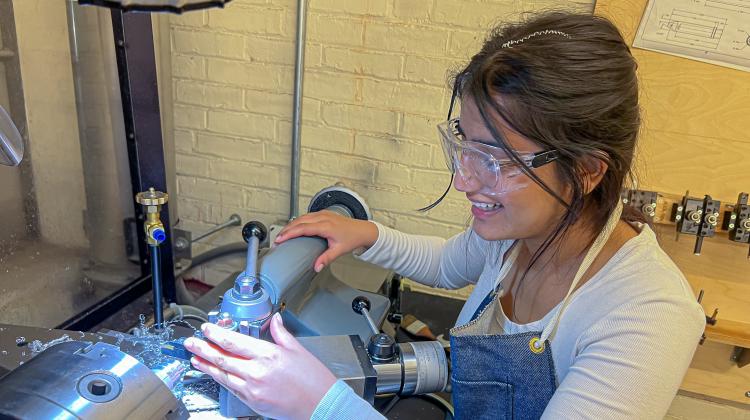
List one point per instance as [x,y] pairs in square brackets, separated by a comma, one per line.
[341,403]
[630,363]
[436,262]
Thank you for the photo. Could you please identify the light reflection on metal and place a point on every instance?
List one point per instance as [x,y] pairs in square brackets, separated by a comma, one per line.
[124,365]
[11,142]
[76,407]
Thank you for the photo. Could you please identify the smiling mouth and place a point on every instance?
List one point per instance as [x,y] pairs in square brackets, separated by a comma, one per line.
[486,206]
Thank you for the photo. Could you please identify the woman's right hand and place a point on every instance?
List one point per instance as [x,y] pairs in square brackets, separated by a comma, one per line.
[343,234]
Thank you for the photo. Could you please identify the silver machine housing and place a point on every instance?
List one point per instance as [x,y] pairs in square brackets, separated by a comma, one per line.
[77,379]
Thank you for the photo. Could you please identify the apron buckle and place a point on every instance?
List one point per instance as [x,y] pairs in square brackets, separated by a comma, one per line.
[536,345]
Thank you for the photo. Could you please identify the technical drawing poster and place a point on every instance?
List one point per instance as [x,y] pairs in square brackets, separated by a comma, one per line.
[714,31]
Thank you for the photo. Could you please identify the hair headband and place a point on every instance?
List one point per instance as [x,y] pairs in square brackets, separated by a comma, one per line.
[510,44]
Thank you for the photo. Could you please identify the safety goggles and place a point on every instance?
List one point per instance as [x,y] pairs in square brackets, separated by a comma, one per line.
[486,164]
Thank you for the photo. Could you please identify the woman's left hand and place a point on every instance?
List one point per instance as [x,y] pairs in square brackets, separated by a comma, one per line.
[281,380]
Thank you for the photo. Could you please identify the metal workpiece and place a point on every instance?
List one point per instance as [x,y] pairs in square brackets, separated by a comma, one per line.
[390,377]
[76,379]
[425,367]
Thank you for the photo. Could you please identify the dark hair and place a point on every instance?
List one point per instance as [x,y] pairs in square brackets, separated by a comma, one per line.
[567,82]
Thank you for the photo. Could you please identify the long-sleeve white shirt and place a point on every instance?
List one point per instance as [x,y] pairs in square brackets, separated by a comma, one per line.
[623,343]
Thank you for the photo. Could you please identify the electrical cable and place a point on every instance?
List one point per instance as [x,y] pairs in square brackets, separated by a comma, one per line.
[432,398]
[218,252]
[440,401]
[390,405]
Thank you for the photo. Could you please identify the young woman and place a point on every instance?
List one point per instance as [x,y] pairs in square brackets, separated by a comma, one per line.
[576,311]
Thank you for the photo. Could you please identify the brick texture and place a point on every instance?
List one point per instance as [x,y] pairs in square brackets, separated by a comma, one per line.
[375,86]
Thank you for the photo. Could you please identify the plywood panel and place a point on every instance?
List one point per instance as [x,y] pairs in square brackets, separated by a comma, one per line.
[696,136]
[683,95]
[686,96]
[721,271]
[714,375]
[671,162]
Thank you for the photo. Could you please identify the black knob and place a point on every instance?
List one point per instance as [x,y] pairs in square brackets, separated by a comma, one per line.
[256,229]
[360,302]
[381,348]
[99,388]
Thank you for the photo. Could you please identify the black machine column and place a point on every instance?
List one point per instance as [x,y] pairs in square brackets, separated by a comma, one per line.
[136,66]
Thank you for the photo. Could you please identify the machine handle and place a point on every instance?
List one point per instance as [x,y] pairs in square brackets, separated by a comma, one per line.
[361,305]
[254,229]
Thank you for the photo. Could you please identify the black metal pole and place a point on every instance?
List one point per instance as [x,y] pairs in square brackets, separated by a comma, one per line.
[136,65]
[157,286]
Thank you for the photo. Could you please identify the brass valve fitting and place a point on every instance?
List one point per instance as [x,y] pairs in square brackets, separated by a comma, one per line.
[152,201]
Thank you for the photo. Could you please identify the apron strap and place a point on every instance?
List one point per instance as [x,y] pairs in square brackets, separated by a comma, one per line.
[592,253]
[507,263]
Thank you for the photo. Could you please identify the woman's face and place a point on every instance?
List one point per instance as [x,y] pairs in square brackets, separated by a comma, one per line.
[524,213]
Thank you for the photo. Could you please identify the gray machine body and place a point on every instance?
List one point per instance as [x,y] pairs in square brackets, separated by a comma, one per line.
[284,275]
[81,380]
[315,304]
[345,356]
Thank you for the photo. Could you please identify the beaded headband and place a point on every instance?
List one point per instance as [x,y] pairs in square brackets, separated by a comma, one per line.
[510,44]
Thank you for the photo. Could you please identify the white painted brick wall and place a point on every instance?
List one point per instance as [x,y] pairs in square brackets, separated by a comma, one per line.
[375,87]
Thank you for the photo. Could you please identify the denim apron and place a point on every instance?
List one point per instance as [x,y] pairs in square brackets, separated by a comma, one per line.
[509,376]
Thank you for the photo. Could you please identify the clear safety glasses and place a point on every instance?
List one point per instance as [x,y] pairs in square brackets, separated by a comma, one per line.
[488,165]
